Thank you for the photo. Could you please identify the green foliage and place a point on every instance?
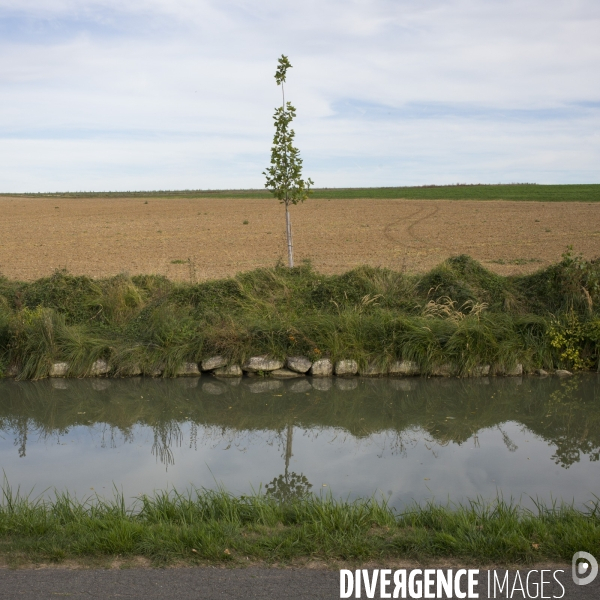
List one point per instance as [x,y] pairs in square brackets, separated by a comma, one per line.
[65,293]
[464,280]
[459,314]
[283,64]
[572,284]
[5,334]
[576,341]
[592,332]
[582,273]
[38,337]
[33,339]
[284,176]
[115,301]
[567,335]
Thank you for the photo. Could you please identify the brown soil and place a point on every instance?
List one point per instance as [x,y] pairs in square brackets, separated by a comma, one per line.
[101,237]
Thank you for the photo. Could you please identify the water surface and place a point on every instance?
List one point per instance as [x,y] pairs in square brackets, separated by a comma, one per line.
[408,439]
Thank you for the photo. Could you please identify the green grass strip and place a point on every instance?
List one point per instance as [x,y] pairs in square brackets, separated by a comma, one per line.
[215,526]
[514,192]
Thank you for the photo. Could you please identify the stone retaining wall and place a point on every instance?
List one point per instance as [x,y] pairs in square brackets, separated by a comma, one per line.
[295,367]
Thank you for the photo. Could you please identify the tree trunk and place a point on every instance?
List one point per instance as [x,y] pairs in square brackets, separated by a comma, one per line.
[290,244]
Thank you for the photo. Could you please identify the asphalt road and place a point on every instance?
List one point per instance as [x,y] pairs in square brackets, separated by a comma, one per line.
[217,583]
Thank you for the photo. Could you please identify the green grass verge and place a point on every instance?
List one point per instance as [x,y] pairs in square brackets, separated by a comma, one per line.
[458,313]
[214,526]
[515,192]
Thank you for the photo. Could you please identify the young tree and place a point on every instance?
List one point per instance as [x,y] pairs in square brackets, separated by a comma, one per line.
[284,176]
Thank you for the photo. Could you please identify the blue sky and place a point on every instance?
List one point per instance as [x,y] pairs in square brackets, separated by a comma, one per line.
[179,94]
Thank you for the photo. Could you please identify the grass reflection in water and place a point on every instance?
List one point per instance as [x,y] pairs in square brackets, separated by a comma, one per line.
[564,413]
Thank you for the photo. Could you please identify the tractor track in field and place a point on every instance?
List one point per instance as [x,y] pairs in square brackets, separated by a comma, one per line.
[410,229]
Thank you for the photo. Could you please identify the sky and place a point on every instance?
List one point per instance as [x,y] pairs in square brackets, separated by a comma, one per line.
[106,95]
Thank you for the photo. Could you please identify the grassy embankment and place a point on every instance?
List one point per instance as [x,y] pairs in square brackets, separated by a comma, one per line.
[458,313]
[215,527]
[513,192]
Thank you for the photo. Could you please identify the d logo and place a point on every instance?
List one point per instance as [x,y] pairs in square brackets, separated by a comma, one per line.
[585,568]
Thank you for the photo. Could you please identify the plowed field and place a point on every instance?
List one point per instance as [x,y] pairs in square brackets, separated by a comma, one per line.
[200,238]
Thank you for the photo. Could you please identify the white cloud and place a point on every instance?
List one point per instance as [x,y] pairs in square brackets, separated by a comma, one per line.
[187,87]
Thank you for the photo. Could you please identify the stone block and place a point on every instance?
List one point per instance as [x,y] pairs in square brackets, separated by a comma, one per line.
[229,371]
[300,364]
[214,362]
[285,374]
[262,363]
[372,370]
[405,368]
[99,368]
[322,368]
[188,370]
[59,369]
[346,368]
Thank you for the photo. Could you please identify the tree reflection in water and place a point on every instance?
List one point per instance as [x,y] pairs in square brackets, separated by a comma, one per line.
[563,413]
[166,435]
[288,486]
